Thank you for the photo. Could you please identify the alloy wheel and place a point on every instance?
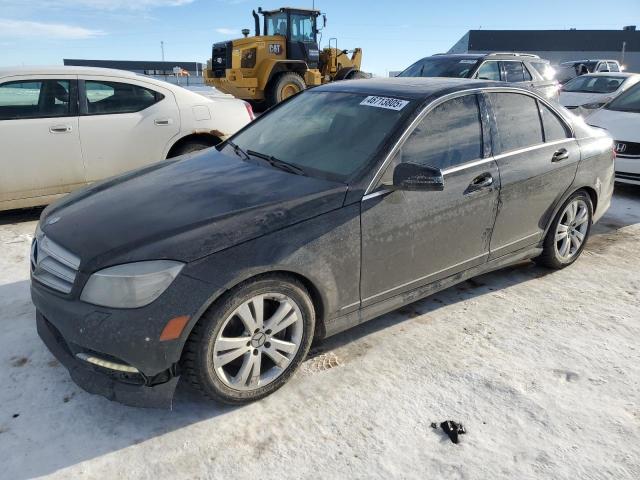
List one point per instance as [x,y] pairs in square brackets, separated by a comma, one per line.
[258,341]
[572,229]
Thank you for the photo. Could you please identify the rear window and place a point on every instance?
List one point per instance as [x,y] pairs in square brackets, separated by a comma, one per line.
[441,67]
[629,101]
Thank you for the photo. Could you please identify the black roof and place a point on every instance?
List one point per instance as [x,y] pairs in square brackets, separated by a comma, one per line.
[134,64]
[408,87]
[554,40]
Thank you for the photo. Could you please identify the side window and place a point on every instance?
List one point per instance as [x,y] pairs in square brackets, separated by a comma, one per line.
[554,128]
[513,71]
[613,67]
[518,121]
[527,74]
[451,134]
[35,99]
[602,67]
[489,71]
[115,97]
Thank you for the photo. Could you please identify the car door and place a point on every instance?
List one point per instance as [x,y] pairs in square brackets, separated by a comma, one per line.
[39,137]
[536,165]
[411,238]
[124,124]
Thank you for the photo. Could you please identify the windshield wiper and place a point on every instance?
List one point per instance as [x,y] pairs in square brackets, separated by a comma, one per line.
[277,163]
[238,150]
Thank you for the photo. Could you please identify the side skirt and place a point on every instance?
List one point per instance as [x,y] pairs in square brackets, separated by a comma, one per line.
[370,312]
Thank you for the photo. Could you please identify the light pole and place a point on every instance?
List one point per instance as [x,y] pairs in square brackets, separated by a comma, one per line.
[162,48]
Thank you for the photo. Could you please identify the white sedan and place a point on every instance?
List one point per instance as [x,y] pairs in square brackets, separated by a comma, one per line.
[621,118]
[62,128]
[586,93]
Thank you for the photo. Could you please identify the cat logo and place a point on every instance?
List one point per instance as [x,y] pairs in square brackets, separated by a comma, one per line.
[275,48]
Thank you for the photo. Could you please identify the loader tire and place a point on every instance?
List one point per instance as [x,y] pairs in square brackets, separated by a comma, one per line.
[283,86]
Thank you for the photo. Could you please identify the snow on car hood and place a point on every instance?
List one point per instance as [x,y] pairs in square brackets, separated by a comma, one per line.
[620,125]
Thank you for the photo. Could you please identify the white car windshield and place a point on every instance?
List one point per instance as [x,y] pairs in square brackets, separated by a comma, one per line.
[629,101]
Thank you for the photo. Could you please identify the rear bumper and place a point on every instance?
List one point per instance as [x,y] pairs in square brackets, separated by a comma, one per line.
[98,382]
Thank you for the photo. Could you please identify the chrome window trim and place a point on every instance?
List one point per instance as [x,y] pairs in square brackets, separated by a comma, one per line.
[531,148]
[471,91]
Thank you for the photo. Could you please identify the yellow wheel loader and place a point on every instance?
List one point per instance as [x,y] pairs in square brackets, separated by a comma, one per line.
[266,69]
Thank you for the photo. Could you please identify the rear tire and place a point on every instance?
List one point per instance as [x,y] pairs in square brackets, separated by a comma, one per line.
[250,342]
[283,86]
[568,233]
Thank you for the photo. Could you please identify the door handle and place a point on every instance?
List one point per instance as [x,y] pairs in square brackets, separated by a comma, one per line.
[60,129]
[481,181]
[163,121]
[560,155]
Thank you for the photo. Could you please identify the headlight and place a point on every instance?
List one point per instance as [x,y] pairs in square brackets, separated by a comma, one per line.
[130,285]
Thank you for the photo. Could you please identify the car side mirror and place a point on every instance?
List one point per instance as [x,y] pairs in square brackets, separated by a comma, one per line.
[414,177]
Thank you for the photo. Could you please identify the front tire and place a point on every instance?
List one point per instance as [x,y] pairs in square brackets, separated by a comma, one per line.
[568,233]
[283,86]
[251,341]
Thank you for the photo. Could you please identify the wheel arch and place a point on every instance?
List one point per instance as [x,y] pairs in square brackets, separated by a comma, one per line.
[286,66]
[593,195]
[319,303]
[213,139]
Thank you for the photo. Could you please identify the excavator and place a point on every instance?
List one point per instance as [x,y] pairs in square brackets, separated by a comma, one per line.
[268,68]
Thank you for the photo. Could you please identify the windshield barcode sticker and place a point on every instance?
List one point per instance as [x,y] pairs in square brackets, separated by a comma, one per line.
[385,102]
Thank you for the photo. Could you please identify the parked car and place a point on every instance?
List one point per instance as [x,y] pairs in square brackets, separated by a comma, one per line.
[621,118]
[589,92]
[575,68]
[62,128]
[520,68]
[223,267]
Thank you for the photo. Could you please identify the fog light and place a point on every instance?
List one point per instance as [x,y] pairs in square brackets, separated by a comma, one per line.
[106,364]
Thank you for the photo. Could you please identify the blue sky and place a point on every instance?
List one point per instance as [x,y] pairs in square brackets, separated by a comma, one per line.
[392,34]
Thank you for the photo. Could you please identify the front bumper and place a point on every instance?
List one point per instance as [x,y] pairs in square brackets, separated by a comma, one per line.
[128,337]
[99,382]
[628,169]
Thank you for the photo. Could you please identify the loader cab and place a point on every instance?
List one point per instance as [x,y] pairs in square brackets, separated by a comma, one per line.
[299,26]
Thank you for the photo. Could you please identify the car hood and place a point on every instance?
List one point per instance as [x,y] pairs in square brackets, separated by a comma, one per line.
[575,99]
[620,125]
[184,210]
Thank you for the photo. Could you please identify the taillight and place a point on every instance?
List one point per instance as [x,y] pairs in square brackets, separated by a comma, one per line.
[249,110]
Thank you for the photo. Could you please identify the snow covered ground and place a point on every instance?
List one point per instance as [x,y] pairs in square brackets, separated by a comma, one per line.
[542,368]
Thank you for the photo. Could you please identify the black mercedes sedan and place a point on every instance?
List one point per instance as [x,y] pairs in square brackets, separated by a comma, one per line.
[341,204]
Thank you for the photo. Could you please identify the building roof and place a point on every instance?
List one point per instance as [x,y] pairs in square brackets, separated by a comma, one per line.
[554,40]
[134,64]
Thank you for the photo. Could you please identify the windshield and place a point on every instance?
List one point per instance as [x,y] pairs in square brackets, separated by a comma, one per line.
[629,101]
[330,135]
[594,84]
[275,24]
[441,67]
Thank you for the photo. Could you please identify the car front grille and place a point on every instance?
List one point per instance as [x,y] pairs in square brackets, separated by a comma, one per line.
[627,149]
[628,176]
[53,265]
